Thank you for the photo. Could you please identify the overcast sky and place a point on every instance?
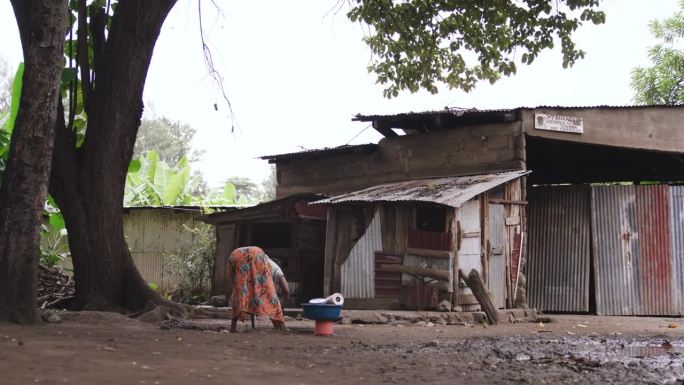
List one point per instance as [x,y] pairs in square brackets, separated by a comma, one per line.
[295,74]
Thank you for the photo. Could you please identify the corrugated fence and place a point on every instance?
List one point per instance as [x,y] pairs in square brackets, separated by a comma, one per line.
[677,240]
[637,243]
[154,234]
[497,263]
[616,251]
[559,246]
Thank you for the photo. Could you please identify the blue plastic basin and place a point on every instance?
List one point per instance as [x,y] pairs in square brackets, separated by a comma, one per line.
[322,311]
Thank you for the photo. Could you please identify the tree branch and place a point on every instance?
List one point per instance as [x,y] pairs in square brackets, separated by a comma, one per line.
[82,59]
[98,21]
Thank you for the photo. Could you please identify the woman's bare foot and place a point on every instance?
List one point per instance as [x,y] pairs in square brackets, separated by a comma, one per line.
[279,325]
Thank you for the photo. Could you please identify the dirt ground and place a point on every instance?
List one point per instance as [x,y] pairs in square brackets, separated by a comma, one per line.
[103,348]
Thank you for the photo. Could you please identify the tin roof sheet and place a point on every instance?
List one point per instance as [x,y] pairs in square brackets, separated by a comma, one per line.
[344,149]
[462,111]
[449,191]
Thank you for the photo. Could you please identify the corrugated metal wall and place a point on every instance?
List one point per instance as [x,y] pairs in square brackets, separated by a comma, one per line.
[497,262]
[677,242]
[152,235]
[654,249]
[616,251]
[357,272]
[470,252]
[637,263]
[559,246]
[637,244]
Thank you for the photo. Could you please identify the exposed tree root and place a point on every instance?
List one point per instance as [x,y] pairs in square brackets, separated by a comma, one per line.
[167,310]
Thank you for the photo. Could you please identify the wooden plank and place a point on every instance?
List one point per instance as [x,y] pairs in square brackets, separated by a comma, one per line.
[480,292]
[384,129]
[388,226]
[225,245]
[456,234]
[419,271]
[508,202]
[484,241]
[329,251]
[439,254]
[513,221]
[402,219]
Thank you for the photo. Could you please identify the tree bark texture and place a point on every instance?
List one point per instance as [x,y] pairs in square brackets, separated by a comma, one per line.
[42,25]
[88,183]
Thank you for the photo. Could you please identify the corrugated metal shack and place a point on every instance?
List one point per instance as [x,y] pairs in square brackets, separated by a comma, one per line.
[401,244]
[288,229]
[588,239]
[154,233]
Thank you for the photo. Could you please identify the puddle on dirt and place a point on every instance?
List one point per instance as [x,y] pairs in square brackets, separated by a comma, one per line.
[640,351]
[645,360]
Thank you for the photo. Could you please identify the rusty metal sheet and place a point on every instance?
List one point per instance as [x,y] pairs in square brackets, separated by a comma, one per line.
[450,191]
[387,283]
[655,262]
[470,252]
[616,250]
[497,261]
[677,246]
[636,273]
[559,246]
[432,240]
[358,271]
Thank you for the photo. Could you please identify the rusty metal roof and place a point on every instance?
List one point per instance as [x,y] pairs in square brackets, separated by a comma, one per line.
[453,117]
[449,191]
[462,111]
[345,149]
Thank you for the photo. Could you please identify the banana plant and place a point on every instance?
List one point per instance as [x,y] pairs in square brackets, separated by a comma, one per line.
[151,182]
[8,118]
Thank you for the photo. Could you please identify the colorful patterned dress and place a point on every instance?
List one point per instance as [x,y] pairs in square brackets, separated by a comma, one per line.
[254,291]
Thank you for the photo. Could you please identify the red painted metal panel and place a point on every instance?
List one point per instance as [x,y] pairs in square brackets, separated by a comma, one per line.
[655,263]
[432,240]
[387,284]
[305,210]
[421,296]
[515,259]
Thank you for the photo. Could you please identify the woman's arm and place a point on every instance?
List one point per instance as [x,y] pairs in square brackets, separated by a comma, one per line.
[284,289]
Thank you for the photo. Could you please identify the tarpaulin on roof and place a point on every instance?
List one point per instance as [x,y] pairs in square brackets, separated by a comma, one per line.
[449,191]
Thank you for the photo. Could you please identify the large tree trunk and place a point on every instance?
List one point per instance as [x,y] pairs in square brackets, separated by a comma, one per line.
[88,183]
[42,25]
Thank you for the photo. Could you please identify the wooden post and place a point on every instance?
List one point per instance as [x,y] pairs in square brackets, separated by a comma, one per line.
[484,240]
[455,244]
[475,284]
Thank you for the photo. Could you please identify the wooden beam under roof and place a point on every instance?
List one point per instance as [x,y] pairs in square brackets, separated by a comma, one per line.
[384,129]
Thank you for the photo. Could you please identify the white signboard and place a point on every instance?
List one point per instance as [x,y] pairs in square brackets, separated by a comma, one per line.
[559,123]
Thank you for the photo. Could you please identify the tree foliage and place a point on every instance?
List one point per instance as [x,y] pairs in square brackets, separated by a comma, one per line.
[419,43]
[268,186]
[6,79]
[663,82]
[245,188]
[193,266]
[171,140]
[152,182]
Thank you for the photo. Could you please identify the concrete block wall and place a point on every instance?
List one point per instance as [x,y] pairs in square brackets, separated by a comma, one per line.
[463,150]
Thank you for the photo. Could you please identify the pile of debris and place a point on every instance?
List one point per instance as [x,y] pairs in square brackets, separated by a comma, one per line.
[55,287]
